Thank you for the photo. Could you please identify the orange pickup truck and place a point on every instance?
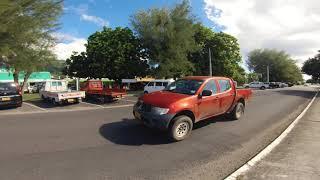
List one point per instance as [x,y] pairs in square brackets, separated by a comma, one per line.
[94,90]
[189,100]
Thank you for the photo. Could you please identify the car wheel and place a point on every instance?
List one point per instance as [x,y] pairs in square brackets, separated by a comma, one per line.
[262,88]
[246,87]
[180,128]
[146,92]
[238,111]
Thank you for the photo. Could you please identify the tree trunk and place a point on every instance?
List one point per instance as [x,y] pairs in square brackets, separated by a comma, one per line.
[25,80]
[16,76]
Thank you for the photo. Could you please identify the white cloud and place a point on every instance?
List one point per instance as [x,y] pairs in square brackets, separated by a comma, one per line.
[67,45]
[292,26]
[97,20]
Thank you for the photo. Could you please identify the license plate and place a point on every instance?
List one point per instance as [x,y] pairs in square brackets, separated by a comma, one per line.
[70,100]
[137,115]
[5,99]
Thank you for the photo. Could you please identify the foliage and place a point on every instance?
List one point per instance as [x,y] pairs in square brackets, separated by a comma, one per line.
[77,65]
[312,67]
[281,67]
[113,53]
[251,77]
[25,39]
[167,36]
[225,54]
[55,67]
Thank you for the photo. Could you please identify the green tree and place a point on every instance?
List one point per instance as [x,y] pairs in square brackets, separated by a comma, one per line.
[281,67]
[77,65]
[225,53]
[113,53]
[312,67]
[168,37]
[25,31]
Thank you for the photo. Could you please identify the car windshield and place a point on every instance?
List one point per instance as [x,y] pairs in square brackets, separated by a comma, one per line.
[184,86]
[7,87]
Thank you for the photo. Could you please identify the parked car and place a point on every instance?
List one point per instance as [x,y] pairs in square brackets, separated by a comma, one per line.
[94,90]
[157,85]
[190,100]
[10,95]
[257,85]
[57,92]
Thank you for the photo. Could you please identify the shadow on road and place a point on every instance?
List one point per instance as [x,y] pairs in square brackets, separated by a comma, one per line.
[129,132]
[300,93]
[43,104]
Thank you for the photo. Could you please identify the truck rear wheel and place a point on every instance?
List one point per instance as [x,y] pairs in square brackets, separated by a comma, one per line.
[180,128]
[238,111]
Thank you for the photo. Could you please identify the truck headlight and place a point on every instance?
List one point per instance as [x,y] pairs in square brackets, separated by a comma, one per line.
[160,111]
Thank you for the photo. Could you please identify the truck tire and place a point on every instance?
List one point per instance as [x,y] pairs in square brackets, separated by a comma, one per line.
[53,101]
[43,98]
[146,92]
[180,128]
[237,111]
[262,88]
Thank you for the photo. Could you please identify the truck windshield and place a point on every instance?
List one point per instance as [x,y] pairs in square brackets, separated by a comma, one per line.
[184,86]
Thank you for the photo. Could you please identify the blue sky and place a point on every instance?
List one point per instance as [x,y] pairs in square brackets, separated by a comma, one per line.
[255,23]
[84,17]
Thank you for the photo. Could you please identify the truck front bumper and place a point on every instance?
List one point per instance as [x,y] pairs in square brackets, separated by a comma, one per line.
[152,120]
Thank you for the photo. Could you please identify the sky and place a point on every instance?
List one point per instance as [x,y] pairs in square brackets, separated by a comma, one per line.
[289,25]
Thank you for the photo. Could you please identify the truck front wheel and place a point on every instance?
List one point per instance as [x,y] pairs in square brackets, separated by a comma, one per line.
[180,128]
[238,111]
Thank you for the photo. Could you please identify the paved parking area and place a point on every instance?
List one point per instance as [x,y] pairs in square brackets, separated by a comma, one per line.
[40,106]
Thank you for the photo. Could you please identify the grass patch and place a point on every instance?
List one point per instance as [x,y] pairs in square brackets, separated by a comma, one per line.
[31,97]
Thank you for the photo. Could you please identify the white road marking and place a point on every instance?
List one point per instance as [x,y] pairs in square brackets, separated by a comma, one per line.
[97,105]
[247,166]
[67,110]
[37,107]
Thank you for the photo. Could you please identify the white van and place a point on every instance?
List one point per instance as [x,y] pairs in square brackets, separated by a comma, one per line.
[157,85]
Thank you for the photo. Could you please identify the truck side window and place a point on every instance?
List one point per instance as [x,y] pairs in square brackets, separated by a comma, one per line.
[54,84]
[59,83]
[165,84]
[158,83]
[211,85]
[151,84]
[224,85]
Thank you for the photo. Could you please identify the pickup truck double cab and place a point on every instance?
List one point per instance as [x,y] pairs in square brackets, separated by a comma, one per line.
[190,100]
[57,92]
[94,90]
[10,94]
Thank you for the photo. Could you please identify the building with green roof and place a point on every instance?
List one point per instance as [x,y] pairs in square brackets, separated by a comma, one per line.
[7,76]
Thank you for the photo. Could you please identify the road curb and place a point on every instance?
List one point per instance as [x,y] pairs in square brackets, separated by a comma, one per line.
[248,165]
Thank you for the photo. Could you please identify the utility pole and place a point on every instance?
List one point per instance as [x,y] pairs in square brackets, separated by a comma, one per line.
[268,73]
[210,65]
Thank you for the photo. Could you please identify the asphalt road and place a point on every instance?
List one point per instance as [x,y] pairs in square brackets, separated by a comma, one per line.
[105,143]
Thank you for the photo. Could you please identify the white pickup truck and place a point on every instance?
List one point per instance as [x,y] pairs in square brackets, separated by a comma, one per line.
[57,92]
